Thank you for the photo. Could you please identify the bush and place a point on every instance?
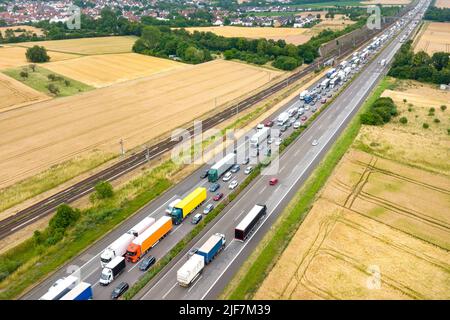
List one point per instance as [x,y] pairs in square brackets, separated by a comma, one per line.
[24,74]
[380,112]
[448,131]
[425,125]
[103,190]
[53,89]
[403,120]
[443,107]
[37,54]
[285,63]
[64,217]
[371,118]
[436,120]
[432,110]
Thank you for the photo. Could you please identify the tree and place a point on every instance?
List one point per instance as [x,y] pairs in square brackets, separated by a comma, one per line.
[421,58]
[37,54]
[51,77]
[193,55]
[103,190]
[285,63]
[425,125]
[53,89]
[151,36]
[64,217]
[440,60]
[443,107]
[403,120]
[67,83]
[24,74]
[33,67]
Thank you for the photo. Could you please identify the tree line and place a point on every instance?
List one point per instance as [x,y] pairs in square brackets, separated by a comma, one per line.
[421,66]
[437,14]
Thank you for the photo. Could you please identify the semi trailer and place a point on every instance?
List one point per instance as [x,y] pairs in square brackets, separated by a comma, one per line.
[188,205]
[212,247]
[282,118]
[259,137]
[83,291]
[246,226]
[221,166]
[60,288]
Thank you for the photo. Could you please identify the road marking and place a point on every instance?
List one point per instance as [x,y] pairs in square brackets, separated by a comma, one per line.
[26,222]
[193,285]
[165,295]
[239,215]
[176,229]
[229,245]
[262,190]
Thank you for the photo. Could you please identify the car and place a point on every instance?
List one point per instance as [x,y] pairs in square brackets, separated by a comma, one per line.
[259,126]
[214,187]
[235,168]
[268,123]
[330,95]
[304,118]
[307,108]
[119,290]
[269,141]
[204,174]
[227,176]
[278,141]
[283,128]
[248,170]
[246,161]
[292,121]
[218,196]
[197,218]
[146,263]
[314,109]
[233,184]
[315,142]
[208,208]
[192,252]
[297,125]
[273,181]
[288,124]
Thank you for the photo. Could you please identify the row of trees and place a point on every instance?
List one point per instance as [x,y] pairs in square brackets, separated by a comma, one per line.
[380,112]
[438,14]
[420,66]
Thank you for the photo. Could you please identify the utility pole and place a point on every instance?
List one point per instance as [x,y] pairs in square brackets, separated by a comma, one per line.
[122,150]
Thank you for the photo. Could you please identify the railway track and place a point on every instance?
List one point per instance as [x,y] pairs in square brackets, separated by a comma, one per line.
[44,207]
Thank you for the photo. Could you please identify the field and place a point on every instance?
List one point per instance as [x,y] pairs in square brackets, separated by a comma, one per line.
[61,129]
[86,46]
[35,30]
[442,3]
[380,226]
[291,35]
[435,37]
[11,57]
[14,94]
[103,70]
[386,2]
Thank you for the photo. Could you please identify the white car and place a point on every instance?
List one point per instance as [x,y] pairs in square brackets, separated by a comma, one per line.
[307,108]
[278,141]
[233,184]
[259,126]
[227,176]
[248,170]
[269,141]
[315,142]
[297,125]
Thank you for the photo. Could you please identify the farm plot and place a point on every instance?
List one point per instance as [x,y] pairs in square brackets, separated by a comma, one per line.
[14,94]
[103,70]
[442,3]
[31,29]
[435,38]
[374,233]
[136,111]
[86,46]
[386,2]
[291,35]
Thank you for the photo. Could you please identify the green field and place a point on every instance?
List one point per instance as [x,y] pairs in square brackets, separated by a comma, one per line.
[39,81]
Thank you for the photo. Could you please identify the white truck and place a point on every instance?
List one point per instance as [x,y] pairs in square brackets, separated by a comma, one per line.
[259,137]
[303,94]
[347,71]
[190,271]
[221,166]
[112,270]
[119,247]
[60,288]
[282,118]
[343,64]
[383,62]
[325,83]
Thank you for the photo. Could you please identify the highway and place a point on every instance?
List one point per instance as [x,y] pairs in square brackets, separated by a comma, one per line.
[296,164]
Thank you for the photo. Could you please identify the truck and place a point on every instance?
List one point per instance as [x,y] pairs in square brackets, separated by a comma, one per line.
[246,226]
[190,270]
[83,291]
[308,99]
[221,166]
[330,72]
[119,247]
[259,137]
[334,81]
[325,83]
[212,247]
[112,270]
[343,64]
[383,62]
[347,71]
[303,94]
[188,204]
[282,118]
[171,205]
[60,288]
[148,239]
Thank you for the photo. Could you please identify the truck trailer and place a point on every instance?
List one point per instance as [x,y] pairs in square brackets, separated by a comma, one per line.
[119,247]
[212,247]
[221,166]
[303,94]
[259,137]
[246,226]
[150,237]
[188,205]
[83,291]
[60,288]
[112,270]
[282,118]
[325,83]
[190,271]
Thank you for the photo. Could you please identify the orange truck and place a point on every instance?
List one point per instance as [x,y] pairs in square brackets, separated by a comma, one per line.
[149,238]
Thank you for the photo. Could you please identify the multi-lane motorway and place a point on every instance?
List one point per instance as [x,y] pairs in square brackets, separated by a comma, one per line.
[295,166]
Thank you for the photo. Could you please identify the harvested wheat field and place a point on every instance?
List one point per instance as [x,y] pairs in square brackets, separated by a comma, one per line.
[386,2]
[442,3]
[31,29]
[290,35]
[11,57]
[374,233]
[434,38]
[103,70]
[86,46]
[15,94]
[44,134]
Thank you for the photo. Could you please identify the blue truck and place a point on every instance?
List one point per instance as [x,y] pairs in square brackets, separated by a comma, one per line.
[212,247]
[83,291]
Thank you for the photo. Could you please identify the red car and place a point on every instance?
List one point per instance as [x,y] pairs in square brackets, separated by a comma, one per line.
[218,196]
[268,123]
[273,181]
[304,118]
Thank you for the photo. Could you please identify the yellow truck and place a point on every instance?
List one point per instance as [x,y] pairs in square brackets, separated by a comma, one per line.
[187,205]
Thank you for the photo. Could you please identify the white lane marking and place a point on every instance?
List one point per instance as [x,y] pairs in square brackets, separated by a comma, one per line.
[229,245]
[165,295]
[193,285]
[239,215]
[263,189]
[26,222]
[296,152]
[174,230]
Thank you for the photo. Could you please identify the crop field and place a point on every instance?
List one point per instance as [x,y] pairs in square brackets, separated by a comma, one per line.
[15,94]
[386,2]
[136,111]
[86,46]
[435,37]
[103,70]
[32,29]
[11,57]
[381,225]
[442,3]
[291,35]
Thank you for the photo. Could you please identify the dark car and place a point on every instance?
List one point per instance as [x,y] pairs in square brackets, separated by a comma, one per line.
[268,123]
[218,196]
[146,263]
[214,187]
[304,118]
[204,174]
[235,168]
[119,290]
